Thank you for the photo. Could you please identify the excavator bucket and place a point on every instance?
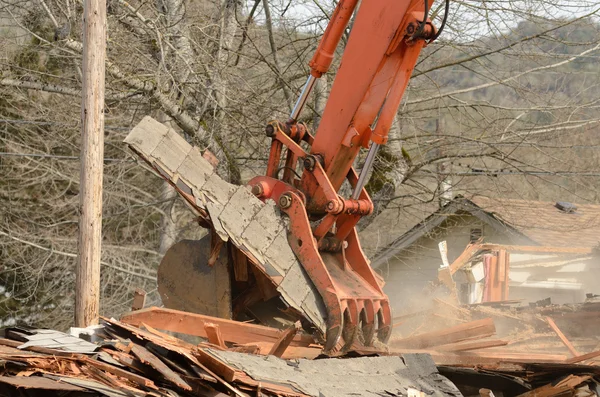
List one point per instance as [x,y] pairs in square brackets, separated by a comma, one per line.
[256,228]
[187,282]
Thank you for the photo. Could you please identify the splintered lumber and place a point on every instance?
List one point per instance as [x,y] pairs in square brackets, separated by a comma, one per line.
[471,330]
[562,337]
[214,334]
[137,379]
[569,384]
[149,358]
[193,324]
[464,257]
[285,340]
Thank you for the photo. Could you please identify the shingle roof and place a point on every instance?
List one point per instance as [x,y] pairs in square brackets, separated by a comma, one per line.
[545,224]
[536,222]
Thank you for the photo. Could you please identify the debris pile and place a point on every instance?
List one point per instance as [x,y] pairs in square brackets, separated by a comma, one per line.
[504,331]
[132,361]
[132,357]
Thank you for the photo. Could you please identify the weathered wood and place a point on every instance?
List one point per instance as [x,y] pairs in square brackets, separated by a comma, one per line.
[284,341]
[463,258]
[147,357]
[87,285]
[215,248]
[140,380]
[562,337]
[474,329]
[583,357]
[506,276]
[466,346]
[193,324]
[139,299]
[564,387]
[240,265]
[214,334]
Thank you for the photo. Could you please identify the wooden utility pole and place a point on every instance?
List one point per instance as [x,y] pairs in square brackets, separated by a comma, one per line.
[87,290]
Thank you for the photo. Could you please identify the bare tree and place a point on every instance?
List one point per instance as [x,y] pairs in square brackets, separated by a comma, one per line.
[515,85]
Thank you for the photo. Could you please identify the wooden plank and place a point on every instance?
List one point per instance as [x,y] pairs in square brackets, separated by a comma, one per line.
[193,324]
[240,265]
[139,299]
[149,358]
[214,334]
[282,344]
[190,355]
[40,383]
[502,266]
[562,337]
[496,289]
[36,349]
[474,329]
[167,337]
[137,379]
[506,276]
[466,346]
[583,357]
[563,387]
[464,257]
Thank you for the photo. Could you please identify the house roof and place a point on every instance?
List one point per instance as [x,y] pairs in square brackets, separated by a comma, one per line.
[531,222]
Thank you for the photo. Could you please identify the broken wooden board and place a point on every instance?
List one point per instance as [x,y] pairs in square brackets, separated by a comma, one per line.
[194,324]
[256,228]
[474,329]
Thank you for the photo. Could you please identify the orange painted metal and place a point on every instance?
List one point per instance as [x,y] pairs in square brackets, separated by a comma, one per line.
[346,283]
[367,77]
[379,57]
[323,56]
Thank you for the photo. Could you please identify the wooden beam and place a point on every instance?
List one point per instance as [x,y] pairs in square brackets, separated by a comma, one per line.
[463,258]
[466,346]
[565,387]
[583,357]
[87,273]
[474,329]
[214,334]
[562,337]
[240,264]
[147,357]
[193,324]
[284,341]
[506,291]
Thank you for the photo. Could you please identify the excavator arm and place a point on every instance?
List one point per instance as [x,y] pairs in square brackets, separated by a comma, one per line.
[382,50]
[314,261]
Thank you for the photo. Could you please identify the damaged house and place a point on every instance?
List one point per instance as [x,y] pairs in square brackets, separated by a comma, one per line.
[563,268]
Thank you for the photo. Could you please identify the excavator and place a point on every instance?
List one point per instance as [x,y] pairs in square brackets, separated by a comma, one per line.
[285,246]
